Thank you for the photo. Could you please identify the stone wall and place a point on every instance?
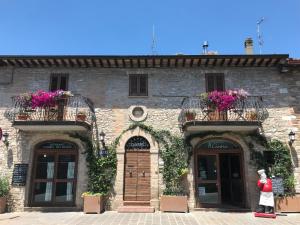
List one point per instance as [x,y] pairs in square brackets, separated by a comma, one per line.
[108,89]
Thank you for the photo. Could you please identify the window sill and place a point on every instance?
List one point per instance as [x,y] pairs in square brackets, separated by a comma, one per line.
[138,96]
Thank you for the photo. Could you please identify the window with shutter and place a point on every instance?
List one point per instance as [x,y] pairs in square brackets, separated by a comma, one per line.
[138,85]
[59,81]
[215,82]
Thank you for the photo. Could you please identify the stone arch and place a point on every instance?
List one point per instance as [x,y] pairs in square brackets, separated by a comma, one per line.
[154,159]
[37,139]
[137,132]
[245,153]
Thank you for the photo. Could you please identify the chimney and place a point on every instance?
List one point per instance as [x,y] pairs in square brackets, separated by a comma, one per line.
[249,46]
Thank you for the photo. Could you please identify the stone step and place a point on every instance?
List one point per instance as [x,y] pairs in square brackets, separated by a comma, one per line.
[222,209]
[136,203]
[51,209]
[136,209]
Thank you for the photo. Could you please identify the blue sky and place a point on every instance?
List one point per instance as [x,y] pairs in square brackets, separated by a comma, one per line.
[124,27]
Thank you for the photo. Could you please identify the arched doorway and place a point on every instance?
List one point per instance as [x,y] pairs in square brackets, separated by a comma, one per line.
[54,174]
[137,172]
[219,174]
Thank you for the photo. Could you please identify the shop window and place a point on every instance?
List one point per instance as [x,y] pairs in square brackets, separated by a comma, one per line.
[59,81]
[215,82]
[138,85]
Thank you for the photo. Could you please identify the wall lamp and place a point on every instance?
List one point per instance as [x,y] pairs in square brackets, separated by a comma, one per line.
[102,151]
[291,137]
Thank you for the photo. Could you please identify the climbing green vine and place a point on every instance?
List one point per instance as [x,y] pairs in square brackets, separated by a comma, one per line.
[282,165]
[173,151]
[101,170]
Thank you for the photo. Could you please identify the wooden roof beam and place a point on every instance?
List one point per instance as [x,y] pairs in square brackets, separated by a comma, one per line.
[259,63]
[206,62]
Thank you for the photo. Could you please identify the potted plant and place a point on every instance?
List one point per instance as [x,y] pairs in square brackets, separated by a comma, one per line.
[252,115]
[93,202]
[175,157]
[282,166]
[174,198]
[4,189]
[190,115]
[23,115]
[101,176]
[81,116]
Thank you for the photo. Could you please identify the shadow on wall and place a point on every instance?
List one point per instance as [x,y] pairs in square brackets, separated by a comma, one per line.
[294,155]
[10,158]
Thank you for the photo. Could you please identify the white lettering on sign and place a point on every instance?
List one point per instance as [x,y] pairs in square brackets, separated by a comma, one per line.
[216,145]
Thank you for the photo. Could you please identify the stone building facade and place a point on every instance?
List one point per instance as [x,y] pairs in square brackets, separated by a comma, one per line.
[170,80]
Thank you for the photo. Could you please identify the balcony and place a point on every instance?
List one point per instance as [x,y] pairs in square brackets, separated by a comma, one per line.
[245,115]
[73,113]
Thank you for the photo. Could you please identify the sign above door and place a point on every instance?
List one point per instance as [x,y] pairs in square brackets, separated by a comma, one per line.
[218,144]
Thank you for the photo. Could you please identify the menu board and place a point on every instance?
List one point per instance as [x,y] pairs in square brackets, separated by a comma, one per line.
[277,184]
[19,174]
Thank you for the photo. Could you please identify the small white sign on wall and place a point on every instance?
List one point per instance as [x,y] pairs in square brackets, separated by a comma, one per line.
[201,191]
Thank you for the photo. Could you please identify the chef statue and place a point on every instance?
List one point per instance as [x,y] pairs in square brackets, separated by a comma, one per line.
[266,200]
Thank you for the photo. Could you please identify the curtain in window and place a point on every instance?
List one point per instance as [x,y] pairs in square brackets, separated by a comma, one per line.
[50,172]
[48,193]
[71,169]
[69,191]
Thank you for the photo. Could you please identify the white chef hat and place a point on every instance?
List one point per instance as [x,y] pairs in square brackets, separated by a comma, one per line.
[260,172]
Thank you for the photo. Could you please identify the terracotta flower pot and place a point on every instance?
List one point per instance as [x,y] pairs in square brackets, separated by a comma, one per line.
[81,117]
[170,203]
[2,204]
[288,204]
[23,117]
[190,116]
[93,204]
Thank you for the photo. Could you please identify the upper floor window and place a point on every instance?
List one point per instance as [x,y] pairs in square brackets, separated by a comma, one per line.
[59,81]
[215,82]
[138,85]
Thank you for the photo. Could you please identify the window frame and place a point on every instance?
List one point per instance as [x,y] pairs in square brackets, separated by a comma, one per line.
[138,93]
[59,76]
[215,78]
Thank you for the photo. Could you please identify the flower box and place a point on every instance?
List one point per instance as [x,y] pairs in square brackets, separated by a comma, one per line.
[216,115]
[288,204]
[251,116]
[81,117]
[23,117]
[93,204]
[169,203]
[2,204]
[190,115]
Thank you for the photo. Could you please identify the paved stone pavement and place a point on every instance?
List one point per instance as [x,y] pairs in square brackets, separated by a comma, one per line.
[158,218]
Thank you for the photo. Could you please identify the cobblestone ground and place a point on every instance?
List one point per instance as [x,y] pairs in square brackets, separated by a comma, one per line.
[114,218]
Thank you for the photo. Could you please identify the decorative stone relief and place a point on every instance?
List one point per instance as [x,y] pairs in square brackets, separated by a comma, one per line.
[137,113]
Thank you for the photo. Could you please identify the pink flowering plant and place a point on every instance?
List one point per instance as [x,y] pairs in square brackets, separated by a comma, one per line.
[41,99]
[223,100]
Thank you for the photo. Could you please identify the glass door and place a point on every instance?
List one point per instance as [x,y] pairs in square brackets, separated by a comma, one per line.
[54,178]
[207,182]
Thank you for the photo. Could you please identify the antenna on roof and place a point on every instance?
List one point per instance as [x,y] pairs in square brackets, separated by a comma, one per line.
[259,34]
[153,44]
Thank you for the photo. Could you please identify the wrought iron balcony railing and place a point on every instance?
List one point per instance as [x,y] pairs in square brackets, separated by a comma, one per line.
[246,109]
[73,108]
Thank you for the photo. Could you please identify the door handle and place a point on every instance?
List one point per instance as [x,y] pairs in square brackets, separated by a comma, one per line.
[143,173]
[130,173]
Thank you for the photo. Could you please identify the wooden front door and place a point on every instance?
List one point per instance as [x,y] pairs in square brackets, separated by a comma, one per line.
[54,174]
[137,176]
